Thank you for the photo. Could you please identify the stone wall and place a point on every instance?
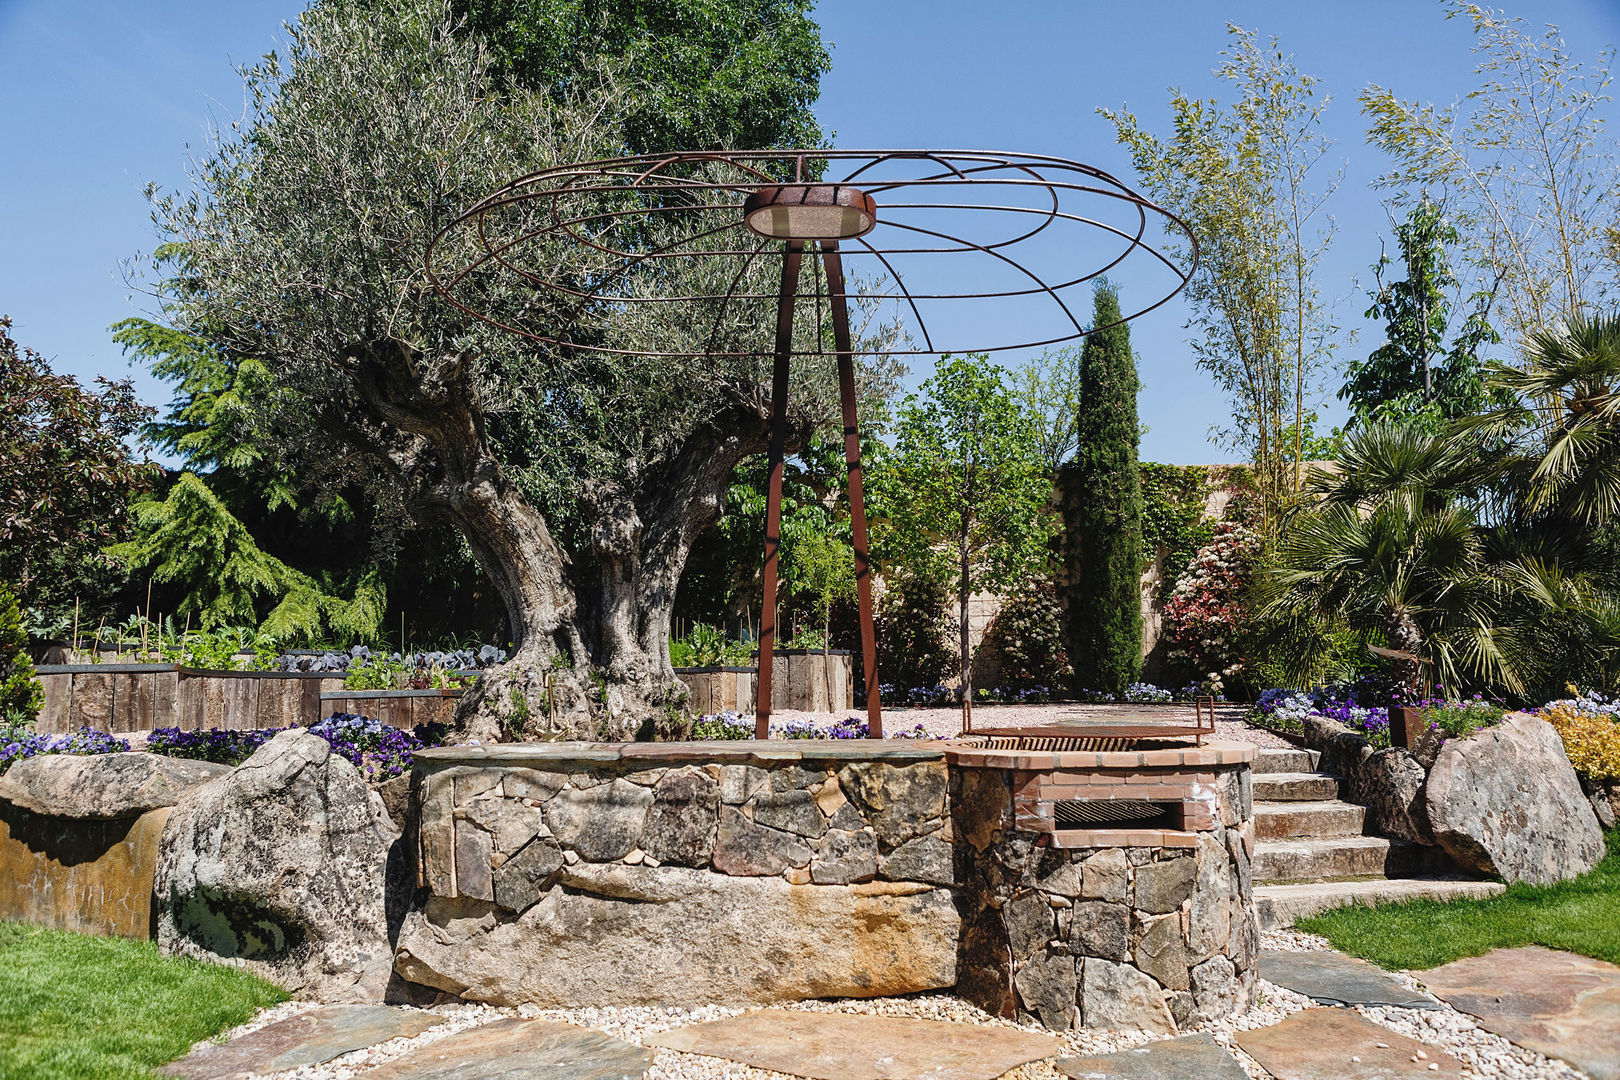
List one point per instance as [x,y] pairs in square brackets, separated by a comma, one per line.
[1136,928]
[745,873]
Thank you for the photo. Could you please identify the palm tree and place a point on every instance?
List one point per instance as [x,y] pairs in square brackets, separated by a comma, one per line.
[1393,544]
[1568,404]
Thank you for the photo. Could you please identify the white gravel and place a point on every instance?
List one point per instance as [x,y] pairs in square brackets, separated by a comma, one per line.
[1484,1055]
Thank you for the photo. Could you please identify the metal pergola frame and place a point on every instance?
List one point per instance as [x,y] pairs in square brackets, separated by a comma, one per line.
[725,185]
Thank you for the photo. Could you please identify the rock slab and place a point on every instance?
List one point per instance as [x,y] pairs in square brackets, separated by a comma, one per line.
[103,786]
[1191,1057]
[1332,978]
[1555,1003]
[623,935]
[306,1039]
[517,1049]
[1505,802]
[842,1046]
[282,865]
[1319,1044]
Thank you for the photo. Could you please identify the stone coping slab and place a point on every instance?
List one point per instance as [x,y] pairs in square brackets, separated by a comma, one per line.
[550,755]
[843,1046]
[103,786]
[1213,752]
[1191,1057]
[518,1049]
[1555,1003]
[1338,1044]
[309,1038]
[1332,978]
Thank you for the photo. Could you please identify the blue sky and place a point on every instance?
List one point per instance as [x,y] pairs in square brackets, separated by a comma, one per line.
[100,97]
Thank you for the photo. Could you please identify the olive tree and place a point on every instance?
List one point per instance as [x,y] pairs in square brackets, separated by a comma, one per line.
[579,480]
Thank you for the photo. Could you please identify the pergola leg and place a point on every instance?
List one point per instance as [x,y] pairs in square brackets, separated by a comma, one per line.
[839,304]
[773,499]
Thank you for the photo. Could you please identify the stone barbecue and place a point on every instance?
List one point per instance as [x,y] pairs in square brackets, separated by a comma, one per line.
[1106,888]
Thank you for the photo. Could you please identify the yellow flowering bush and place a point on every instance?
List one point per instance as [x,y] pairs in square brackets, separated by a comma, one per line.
[1591,738]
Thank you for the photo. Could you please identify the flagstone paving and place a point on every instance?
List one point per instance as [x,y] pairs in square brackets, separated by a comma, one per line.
[1333,978]
[1338,1044]
[838,1046]
[1556,1003]
[309,1038]
[517,1049]
[1191,1057]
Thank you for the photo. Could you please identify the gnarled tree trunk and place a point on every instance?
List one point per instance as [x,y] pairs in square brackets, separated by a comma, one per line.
[590,628]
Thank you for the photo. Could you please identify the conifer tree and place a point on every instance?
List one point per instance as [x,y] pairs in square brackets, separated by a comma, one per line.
[1105,526]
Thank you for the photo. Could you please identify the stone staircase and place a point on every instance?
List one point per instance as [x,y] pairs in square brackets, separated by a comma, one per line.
[1312,851]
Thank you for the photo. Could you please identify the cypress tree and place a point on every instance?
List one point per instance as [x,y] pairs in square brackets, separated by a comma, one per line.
[1105,516]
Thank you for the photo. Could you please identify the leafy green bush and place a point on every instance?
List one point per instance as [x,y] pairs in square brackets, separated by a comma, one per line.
[21,696]
[912,644]
[707,646]
[1027,633]
[374,673]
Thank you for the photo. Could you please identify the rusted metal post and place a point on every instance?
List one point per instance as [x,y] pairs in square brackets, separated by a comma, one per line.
[838,304]
[773,498]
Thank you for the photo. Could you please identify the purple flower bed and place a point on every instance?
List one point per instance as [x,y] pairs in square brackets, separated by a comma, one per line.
[379,751]
[730,725]
[18,742]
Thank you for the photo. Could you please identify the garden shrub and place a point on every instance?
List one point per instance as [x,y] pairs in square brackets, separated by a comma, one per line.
[1027,634]
[1589,725]
[21,696]
[913,646]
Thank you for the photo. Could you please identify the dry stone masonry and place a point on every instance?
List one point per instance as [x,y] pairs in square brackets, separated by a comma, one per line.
[681,872]
[1114,928]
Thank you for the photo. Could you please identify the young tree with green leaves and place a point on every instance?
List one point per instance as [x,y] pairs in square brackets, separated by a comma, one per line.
[21,696]
[1247,178]
[1413,377]
[965,493]
[1521,160]
[1105,603]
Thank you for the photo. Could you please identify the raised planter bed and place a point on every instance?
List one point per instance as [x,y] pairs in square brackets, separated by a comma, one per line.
[804,680]
[139,697]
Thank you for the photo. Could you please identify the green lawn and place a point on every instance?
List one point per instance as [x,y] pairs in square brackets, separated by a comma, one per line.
[75,1007]
[1581,916]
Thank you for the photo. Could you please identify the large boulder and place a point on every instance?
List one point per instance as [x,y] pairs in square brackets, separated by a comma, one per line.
[282,867]
[103,786]
[668,935]
[1505,801]
[1391,786]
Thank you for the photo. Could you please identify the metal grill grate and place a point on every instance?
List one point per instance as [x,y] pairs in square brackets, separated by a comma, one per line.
[1109,812]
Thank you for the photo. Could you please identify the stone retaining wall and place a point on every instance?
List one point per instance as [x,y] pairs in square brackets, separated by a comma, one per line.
[1099,927]
[654,873]
[91,876]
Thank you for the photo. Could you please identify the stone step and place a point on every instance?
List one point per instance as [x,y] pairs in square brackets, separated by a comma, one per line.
[1326,857]
[1288,820]
[1281,905]
[1286,761]
[1295,787]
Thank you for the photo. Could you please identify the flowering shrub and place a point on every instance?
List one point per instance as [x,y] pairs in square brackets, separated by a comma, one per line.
[1589,724]
[1205,611]
[1459,719]
[18,741]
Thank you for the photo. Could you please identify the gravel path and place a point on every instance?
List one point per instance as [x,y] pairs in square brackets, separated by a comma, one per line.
[1484,1055]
